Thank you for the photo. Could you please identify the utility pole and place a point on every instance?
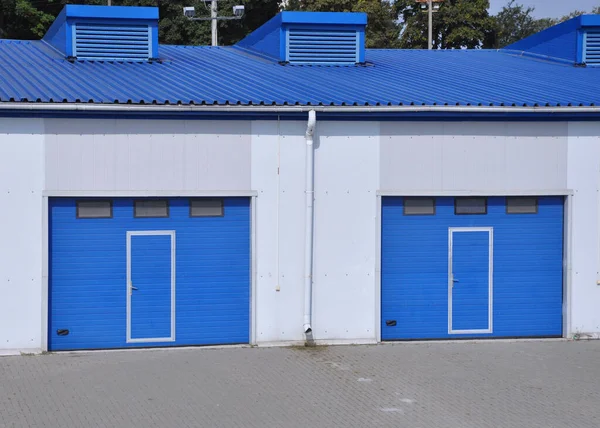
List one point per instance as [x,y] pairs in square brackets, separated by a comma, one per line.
[190,13]
[213,21]
[109,3]
[430,38]
[430,6]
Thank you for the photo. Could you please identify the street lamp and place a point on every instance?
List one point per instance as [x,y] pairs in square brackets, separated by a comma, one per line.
[190,13]
[430,6]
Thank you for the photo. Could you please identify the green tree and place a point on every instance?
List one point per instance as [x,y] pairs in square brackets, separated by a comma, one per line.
[571,15]
[382,29]
[576,13]
[515,22]
[29,19]
[20,20]
[458,24]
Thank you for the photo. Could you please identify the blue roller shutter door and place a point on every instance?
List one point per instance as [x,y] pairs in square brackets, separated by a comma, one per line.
[89,276]
[526,264]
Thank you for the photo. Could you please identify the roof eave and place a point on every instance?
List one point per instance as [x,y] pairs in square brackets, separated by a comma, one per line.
[364,112]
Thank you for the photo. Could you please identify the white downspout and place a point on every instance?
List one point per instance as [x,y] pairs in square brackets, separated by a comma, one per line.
[308,232]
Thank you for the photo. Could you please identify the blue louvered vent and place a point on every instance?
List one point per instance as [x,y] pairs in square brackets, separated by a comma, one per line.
[325,47]
[592,48]
[105,42]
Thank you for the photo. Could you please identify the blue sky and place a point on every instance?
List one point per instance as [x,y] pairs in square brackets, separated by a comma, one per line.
[549,8]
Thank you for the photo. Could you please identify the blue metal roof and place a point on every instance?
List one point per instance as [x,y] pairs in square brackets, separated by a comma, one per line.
[563,42]
[33,71]
[315,18]
[110,12]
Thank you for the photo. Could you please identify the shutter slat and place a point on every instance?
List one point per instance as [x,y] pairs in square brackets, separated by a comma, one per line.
[307,46]
[116,42]
[591,54]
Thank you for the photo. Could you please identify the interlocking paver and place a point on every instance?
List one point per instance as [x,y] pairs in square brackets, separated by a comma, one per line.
[483,384]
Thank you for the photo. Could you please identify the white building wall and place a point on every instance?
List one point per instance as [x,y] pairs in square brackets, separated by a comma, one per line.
[353,161]
[146,156]
[346,184]
[584,179]
[278,161]
[475,157]
[21,218]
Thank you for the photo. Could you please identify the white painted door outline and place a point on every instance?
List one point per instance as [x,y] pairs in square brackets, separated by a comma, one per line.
[130,287]
[452,280]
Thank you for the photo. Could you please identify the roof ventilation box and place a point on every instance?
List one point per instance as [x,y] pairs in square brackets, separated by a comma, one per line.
[102,33]
[591,47]
[576,41]
[311,38]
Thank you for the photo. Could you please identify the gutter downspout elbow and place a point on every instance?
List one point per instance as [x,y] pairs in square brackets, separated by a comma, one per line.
[309,227]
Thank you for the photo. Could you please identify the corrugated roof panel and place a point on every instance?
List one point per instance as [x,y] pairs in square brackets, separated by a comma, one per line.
[225,75]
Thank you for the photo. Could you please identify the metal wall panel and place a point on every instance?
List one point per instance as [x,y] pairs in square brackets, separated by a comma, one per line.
[478,156]
[21,220]
[278,178]
[584,179]
[139,155]
[346,182]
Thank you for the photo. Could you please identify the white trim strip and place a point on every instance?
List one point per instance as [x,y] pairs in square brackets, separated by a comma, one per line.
[378,232]
[490,230]
[507,192]
[170,233]
[253,271]
[45,270]
[567,266]
[147,193]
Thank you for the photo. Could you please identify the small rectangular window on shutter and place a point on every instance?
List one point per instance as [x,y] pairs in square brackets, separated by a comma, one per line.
[206,207]
[94,209]
[521,205]
[151,208]
[419,206]
[466,206]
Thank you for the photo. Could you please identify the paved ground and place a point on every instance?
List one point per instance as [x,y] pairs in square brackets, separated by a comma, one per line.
[497,384]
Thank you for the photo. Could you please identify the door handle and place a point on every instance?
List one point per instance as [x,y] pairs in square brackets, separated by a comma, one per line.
[131,288]
[453,280]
